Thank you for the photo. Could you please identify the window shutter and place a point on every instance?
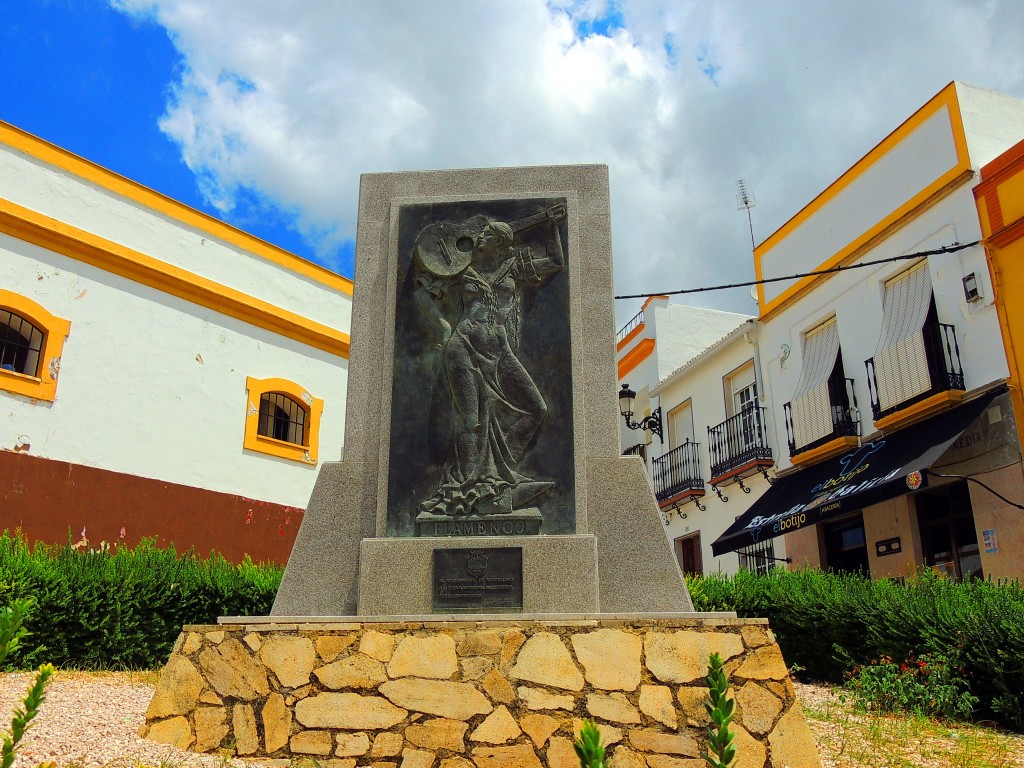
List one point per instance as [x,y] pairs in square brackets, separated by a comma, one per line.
[811,408]
[901,366]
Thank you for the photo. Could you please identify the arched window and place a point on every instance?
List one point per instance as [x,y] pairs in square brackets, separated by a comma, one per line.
[21,344]
[31,344]
[282,419]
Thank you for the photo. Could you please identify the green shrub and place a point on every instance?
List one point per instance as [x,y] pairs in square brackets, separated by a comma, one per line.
[828,624]
[12,633]
[588,746]
[720,708]
[928,685]
[123,609]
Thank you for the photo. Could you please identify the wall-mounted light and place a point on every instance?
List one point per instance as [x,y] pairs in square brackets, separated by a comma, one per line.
[652,422]
[972,288]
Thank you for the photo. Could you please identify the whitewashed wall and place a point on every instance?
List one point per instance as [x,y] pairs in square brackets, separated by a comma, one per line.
[154,386]
[855,298]
[702,382]
[683,332]
[34,184]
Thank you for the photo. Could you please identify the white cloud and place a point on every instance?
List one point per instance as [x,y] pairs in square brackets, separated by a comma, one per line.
[294,101]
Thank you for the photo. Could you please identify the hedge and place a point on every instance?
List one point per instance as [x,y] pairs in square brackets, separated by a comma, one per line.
[828,623]
[122,609]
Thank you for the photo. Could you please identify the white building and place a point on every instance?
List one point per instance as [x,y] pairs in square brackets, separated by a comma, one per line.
[698,369]
[883,381]
[876,396]
[162,374]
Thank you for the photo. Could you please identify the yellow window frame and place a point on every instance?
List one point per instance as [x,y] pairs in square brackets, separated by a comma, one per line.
[254,441]
[55,331]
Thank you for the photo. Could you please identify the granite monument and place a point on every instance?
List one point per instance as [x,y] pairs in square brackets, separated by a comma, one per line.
[481,414]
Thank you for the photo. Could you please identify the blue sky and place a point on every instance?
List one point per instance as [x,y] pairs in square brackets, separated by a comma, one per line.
[95,81]
[265,112]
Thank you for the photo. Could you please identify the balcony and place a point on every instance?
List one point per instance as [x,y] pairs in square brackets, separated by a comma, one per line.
[817,431]
[624,332]
[917,376]
[677,475]
[640,449]
[739,446]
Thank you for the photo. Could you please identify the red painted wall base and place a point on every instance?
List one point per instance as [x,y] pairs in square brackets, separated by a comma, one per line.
[50,500]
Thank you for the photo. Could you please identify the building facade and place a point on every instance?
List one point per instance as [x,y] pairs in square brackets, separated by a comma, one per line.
[871,418]
[886,382]
[698,370]
[162,374]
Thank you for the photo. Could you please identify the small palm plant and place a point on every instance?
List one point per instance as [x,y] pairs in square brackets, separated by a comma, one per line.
[720,709]
[588,746]
[12,631]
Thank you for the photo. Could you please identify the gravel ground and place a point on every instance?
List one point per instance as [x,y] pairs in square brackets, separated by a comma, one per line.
[92,719]
[848,739]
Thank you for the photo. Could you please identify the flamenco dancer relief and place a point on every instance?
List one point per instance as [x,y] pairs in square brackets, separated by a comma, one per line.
[487,332]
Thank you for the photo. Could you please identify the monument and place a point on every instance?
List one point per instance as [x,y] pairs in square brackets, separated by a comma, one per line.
[482,569]
[481,412]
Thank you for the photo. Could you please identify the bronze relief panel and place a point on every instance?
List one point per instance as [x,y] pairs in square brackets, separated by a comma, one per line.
[481,410]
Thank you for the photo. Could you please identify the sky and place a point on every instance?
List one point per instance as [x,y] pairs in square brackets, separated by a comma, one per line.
[265,112]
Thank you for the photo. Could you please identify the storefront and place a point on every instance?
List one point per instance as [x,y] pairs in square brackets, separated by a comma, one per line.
[941,493]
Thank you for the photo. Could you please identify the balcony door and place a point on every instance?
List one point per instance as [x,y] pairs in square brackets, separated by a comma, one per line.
[680,424]
[741,400]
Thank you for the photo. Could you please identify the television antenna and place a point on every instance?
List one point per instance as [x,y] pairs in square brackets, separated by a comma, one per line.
[745,201]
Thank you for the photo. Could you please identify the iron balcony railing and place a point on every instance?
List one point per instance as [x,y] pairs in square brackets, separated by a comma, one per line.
[842,405]
[738,440]
[628,328]
[909,378]
[640,449]
[678,471]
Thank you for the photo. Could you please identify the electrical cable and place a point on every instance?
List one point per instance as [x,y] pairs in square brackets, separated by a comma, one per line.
[952,248]
[986,487]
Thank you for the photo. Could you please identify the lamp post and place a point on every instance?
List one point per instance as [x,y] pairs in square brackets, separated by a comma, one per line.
[652,422]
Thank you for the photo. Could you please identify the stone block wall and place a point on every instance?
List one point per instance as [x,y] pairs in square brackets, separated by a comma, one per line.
[494,694]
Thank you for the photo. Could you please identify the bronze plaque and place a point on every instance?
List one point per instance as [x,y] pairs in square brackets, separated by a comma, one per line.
[476,579]
[481,408]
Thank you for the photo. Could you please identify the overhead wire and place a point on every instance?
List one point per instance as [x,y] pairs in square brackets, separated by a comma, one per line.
[951,248]
[988,488]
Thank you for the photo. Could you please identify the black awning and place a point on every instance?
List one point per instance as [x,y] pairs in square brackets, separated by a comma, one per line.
[874,472]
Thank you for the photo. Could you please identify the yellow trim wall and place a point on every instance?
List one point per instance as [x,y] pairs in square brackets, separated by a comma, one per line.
[40,149]
[947,100]
[46,232]
[635,356]
[1000,200]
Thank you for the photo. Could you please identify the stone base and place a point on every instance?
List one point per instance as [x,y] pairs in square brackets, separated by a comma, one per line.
[483,694]
[518,522]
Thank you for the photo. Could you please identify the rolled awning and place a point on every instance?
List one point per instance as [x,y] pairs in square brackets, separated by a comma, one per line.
[866,475]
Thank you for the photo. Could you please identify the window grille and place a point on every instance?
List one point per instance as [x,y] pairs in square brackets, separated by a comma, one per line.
[758,558]
[282,418]
[21,344]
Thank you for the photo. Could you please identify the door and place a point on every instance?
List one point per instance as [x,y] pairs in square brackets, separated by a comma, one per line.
[688,554]
[742,404]
[680,425]
[846,549]
[949,538]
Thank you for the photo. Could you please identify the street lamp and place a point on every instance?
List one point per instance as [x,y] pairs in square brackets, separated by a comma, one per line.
[652,422]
